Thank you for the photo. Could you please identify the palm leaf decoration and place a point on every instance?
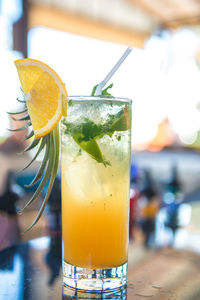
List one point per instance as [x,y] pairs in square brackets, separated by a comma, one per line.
[47,172]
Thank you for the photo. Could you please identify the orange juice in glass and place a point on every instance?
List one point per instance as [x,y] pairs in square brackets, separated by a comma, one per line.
[95,163]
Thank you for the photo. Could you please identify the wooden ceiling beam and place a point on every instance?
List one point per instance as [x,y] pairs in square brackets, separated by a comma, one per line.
[152,10]
[170,13]
[180,22]
[51,17]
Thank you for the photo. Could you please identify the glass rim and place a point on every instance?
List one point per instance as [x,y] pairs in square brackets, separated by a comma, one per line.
[103,97]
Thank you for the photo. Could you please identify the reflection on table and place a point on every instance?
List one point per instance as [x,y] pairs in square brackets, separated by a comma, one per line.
[32,270]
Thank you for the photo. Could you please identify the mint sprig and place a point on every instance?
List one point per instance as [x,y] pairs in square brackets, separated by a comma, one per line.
[88,132]
[104,92]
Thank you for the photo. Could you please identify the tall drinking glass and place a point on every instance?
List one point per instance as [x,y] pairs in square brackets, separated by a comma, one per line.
[95,164]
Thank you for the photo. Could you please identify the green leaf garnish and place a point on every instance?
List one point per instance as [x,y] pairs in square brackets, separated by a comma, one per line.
[85,136]
[121,121]
[87,133]
[50,173]
[49,166]
[90,146]
[104,92]
[69,102]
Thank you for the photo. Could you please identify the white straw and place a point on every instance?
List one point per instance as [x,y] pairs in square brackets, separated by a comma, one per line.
[112,71]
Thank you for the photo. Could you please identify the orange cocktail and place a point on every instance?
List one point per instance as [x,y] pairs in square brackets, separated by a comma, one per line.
[95,182]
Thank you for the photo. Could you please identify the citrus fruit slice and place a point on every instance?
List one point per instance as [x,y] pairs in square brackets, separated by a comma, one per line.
[45,94]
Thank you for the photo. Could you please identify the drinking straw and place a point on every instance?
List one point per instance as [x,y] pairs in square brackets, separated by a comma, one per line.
[112,71]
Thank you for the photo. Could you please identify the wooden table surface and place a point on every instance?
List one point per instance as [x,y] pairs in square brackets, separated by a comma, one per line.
[32,270]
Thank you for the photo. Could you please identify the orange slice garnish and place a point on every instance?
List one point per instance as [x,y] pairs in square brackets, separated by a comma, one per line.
[45,94]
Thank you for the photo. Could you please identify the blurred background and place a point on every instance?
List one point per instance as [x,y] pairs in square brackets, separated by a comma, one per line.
[82,40]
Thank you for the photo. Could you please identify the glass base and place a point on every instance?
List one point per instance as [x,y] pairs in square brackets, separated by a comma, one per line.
[95,280]
[71,293]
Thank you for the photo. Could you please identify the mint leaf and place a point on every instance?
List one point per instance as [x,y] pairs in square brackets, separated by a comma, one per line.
[70,102]
[90,146]
[104,92]
[86,133]
[122,120]
[90,130]
[94,90]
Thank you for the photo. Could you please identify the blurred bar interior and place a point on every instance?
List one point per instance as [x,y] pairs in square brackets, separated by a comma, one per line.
[82,40]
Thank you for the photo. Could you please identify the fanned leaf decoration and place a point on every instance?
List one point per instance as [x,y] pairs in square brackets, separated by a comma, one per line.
[24,118]
[43,164]
[34,143]
[50,173]
[31,134]
[18,112]
[48,169]
[20,100]
[40,148]
[21,128]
